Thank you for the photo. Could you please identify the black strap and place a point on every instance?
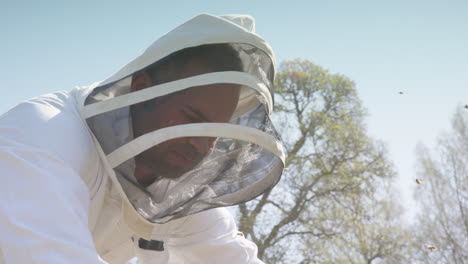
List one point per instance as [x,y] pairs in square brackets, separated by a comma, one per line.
[151,245]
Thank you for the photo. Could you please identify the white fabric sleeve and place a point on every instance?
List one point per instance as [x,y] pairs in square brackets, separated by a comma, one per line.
[43,210]
[207,237]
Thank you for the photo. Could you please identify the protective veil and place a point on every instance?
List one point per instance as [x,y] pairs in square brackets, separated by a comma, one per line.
[241,155]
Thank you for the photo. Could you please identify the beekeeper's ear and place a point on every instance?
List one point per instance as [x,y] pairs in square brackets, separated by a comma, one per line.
[141,80]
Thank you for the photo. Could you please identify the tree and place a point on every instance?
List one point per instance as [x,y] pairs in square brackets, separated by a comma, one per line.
[372,231]
[443,196]
[330,159]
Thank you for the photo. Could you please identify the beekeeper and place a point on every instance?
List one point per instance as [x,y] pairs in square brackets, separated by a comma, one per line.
[142,163]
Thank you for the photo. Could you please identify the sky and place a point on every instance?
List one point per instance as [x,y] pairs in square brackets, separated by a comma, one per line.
[417,47]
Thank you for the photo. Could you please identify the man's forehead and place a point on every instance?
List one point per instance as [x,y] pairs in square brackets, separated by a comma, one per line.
[179,69]
[217,91]
[190,67]
[212,99]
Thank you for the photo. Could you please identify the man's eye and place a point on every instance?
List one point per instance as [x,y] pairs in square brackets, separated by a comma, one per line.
[192,118]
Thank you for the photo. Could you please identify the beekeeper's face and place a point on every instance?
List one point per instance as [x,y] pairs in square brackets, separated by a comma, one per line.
[209,103]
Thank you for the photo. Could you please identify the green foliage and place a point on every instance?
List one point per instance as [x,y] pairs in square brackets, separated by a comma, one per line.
[331,164]
[371,231]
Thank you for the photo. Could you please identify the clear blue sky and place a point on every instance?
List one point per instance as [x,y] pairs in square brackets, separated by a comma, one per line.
[419,47]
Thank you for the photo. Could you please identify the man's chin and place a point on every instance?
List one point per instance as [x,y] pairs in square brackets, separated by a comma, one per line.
[175,172]
[167,170]
[148,179]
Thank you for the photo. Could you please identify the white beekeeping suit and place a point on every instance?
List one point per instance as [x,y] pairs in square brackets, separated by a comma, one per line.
[124,168]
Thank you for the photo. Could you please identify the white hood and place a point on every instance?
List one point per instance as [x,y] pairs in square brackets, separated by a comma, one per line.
[202,29]
[246,159]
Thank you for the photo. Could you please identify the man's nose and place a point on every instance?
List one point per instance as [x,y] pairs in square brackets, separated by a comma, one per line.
[203,145]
